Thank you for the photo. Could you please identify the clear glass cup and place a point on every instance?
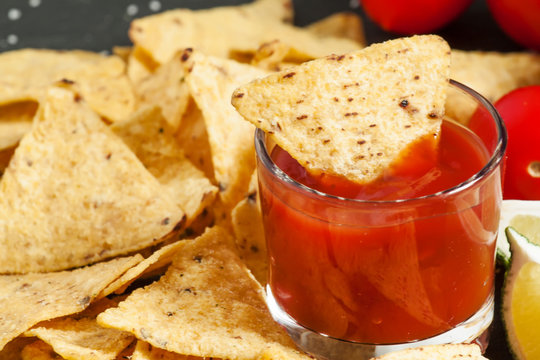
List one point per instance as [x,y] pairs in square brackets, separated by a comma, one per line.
[356,279]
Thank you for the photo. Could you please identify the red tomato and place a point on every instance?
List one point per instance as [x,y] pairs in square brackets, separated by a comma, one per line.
[409,17]
[519,19]
[520,111]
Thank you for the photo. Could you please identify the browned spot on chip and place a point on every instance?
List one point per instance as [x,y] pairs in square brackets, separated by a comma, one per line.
[289,75]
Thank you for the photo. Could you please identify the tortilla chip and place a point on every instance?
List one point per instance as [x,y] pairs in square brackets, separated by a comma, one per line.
[39,350]
[429,352]
[207,304]
[218,31]
[193,139]
[140,65]
[145,351]
[249,232]
[74,194]
[271,56]
[123,52]
[491,74]
[29,72]
[152,139]
[82,338]
[28,299]
[15,121]
[13,349]
[166,88]
[353,115]
[155,261]
[346,25]
[211,82]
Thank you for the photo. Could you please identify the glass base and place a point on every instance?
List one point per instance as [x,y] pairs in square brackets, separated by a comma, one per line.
[325,347]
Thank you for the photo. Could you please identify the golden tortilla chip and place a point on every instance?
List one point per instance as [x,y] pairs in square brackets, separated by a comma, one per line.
[15,121]
[13,349]
[271,56]
[211,82]
[354,114]
[155,261]
[145,351]
[166,88]
[347,25]
[28,73]
[430,352]
[152,139]
[207,304]
[74,194]
[140,65]
[39,350]
[28,299]
[82,338]
[249,232]
[491,74]
[193,139]
[218,31]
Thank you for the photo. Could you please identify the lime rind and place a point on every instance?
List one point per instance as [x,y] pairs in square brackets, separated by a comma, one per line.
[510,209]
[522,252]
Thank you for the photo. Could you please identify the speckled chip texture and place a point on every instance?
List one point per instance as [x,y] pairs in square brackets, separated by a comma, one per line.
[74,194]
[207,305]
[437,352]
[353,114]
[28,299]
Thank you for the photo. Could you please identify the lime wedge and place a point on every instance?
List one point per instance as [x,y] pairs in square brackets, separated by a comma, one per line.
[521,297]
[523,215]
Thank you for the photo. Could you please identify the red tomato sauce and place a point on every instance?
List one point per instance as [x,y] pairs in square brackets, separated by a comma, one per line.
[388,273]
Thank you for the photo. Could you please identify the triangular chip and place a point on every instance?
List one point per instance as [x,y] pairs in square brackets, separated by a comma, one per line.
[353,114]
[152,139]
[82,338]
[218,31]
[15,121]
[436,352]
[74,193]
[347,25]
[492,74]
[207,304]
[28,73]
[211,82]
[28,299]
[39,350]
[166,88]
[248,230]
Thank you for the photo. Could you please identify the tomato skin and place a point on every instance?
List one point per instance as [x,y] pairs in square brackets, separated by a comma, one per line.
[519,19]
[520,111]
[413,16]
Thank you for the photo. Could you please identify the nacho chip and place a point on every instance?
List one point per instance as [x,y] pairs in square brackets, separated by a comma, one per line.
[155,261]
[13,349]
[271,56]
[166,88]
[28,299]
[193,139]
[15,121]
[347,25]
[29,72]
[249,232]
[429,352]
[491,74]
[354,114]
[220,30]
[145,351]
[140,65]
[151,138]
[74,194]
[39,350]
[211,82]
[207,304]
[82,338]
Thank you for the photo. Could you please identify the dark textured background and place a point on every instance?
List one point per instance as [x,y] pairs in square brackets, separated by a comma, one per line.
[100,24]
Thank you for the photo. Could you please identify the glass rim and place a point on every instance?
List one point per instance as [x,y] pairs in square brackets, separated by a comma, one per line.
[494,160]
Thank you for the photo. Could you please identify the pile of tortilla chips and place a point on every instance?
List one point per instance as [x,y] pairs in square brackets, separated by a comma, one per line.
[129,216]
